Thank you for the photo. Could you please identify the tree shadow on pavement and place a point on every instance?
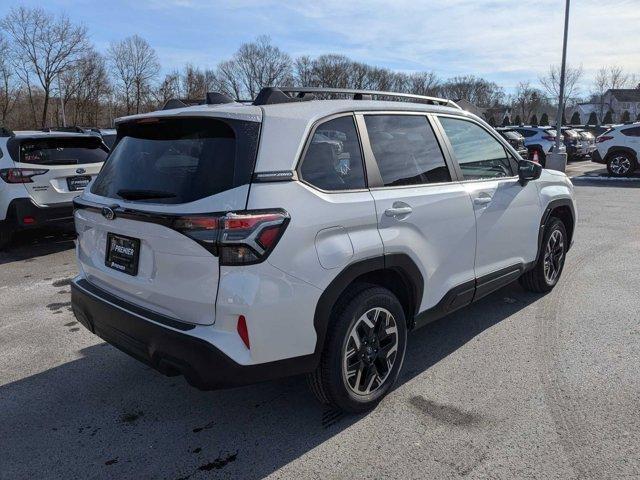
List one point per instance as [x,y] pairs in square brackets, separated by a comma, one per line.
[35,243]
[106,415]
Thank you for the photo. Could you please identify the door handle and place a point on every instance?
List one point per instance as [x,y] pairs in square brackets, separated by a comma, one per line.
[482,200]
[398,211]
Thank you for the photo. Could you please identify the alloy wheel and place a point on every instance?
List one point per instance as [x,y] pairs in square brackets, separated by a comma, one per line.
[370,352]
[553,257]
[620,165]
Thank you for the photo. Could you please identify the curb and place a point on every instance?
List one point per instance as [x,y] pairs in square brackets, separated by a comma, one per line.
[604,179]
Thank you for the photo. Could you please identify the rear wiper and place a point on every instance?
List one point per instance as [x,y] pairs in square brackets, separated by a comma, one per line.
[131,194]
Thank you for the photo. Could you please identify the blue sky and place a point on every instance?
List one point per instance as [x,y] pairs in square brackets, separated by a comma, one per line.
[503,40]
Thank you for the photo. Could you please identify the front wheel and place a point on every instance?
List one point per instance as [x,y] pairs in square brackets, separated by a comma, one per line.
[548,268]
[364,350]
[621,165]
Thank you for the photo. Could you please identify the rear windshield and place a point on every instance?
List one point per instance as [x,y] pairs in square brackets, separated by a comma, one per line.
[61,151]
[178,160]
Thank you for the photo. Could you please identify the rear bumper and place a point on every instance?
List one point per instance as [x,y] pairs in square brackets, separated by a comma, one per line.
[596,157]
[25,214]
[168,345]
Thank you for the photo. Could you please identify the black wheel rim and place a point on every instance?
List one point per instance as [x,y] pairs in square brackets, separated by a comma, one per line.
[370,352]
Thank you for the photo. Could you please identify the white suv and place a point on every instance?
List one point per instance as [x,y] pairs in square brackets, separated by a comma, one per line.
[234,243]
[619,149]
[41,173]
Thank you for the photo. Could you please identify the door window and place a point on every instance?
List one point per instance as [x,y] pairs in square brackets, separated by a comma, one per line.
[333,160]
[479,154]
[406,150]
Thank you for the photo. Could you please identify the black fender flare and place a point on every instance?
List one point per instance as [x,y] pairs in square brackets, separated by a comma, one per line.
[551,206]
[400,262]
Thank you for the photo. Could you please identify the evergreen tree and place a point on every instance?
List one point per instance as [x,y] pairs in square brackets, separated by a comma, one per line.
[518,120]
[593,119]
[534,119]
[626,117]
[575,118]
[608,118]
[544,120]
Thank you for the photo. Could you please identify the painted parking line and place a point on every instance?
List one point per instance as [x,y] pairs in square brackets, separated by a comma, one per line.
[607,179]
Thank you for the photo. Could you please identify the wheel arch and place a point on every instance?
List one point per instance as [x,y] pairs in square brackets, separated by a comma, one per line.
[396,272]
[620,149]
[564,210]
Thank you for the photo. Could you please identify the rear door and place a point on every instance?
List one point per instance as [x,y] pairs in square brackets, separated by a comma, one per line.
[422,211]
[70,163]
[507,213]
[147,227]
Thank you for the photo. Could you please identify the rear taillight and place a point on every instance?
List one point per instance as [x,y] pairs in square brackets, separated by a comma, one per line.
[603,138]
[550,138]
[20,175]
[238,238]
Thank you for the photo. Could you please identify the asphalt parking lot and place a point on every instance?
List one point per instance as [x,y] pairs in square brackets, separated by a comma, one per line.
[516,386]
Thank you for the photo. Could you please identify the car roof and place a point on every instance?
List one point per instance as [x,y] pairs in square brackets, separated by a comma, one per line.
[40,134]
[286,126]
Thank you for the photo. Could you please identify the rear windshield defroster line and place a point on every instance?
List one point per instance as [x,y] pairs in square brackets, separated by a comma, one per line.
[178,160]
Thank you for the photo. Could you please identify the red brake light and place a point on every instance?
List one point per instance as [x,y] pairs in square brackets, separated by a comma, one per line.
[20,175]
[243,331]
[550,138]
[603,138]
[238,238]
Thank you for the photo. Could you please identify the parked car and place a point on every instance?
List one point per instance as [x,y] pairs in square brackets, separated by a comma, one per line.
[588,142]
[516,140]
[572,143]
[538,140]
[618,148]
[319,258]
[40,174]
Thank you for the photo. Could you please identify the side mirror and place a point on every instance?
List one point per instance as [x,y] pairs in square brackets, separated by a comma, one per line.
[528,171]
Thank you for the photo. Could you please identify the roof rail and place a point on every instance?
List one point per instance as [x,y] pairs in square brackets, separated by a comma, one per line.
[6,132]
[279,95]
[67,129]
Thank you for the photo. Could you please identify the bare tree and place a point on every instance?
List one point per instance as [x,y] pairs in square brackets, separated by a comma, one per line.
[134,64]
[48,45]
[476,90]
[255,65]
[9,90]
[424,83]
[551,82]
[527,100]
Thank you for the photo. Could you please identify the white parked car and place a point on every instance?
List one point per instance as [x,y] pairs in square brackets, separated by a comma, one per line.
[234,243]
[539,141]
[619,149]
[41,173]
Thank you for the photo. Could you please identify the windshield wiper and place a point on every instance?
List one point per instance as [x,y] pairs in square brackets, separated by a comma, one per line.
[131,194]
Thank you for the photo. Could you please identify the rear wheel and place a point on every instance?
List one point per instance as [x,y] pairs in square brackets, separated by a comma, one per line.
[363,352]
[548,268]
[5,236]
[621,164]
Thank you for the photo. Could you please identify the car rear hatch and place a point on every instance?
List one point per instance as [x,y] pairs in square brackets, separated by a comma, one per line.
[147,226]
[55,169]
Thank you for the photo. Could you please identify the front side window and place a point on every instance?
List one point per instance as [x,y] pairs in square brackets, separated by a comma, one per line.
[479,155]
[406,150]
[333,160]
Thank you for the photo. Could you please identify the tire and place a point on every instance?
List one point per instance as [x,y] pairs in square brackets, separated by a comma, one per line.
[621,164]
[5,237]
[342,378]
[538,279]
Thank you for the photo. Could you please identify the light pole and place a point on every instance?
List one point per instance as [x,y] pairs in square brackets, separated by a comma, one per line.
[558,159]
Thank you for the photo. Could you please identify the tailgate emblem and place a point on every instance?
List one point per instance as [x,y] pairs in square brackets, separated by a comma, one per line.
[108,213]
[80,170]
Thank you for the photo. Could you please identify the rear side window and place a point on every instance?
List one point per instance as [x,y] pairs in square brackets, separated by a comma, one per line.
[406,150]
[631,132]
[62,151]
[479,155]
[178,160]
[333,160]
